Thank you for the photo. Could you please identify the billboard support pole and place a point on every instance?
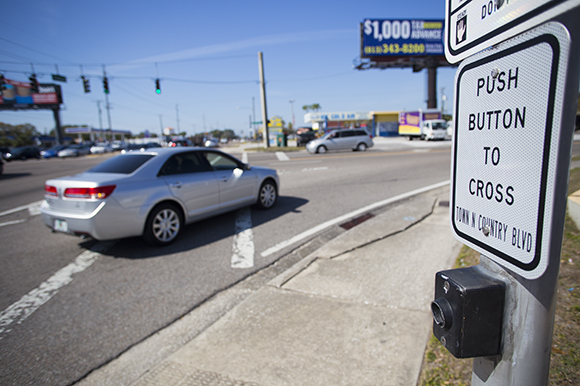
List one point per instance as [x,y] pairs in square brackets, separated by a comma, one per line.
[57,126]
[431,84]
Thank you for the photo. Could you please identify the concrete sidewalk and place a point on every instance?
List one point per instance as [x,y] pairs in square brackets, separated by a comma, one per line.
[353,311]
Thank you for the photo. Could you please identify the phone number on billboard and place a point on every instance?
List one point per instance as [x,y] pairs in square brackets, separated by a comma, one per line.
[395,48]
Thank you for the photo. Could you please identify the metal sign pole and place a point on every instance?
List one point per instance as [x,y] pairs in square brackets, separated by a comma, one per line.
[530,304]
[515,108]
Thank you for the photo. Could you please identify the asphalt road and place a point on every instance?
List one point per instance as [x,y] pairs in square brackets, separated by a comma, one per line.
[68,306]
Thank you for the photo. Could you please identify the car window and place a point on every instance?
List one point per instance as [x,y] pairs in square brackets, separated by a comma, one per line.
[348,133]
[125,164]
[220,161]
[183,163]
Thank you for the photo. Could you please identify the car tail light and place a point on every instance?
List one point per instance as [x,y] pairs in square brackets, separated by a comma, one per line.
[100,192]
[50,190]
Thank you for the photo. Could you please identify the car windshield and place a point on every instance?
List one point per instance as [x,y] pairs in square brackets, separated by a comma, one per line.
[124,164]
[327,135]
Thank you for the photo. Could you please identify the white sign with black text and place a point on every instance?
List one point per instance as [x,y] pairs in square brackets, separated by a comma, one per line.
[508,108]
[473,25]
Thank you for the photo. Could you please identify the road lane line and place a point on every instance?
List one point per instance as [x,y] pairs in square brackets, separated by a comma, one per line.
[34,208]
[23,207]
[278,247]
[243,248]
[12,222]
[30,302]
[282,156]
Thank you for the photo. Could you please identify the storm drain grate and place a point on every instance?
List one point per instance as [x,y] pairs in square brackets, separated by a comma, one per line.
[356,221]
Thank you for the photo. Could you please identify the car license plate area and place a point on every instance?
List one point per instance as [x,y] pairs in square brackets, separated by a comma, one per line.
[60,226]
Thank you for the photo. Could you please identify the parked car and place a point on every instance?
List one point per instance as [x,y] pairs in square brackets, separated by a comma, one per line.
[74,151]
[53,151]
[211,143]
[101,148]
[305,137]
[3,151]
[180,142]
[118,145]
[154,193]
[140,147]
[355,139]
[23,153]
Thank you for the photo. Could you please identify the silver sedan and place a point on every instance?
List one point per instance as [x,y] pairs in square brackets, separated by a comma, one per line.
[155,193]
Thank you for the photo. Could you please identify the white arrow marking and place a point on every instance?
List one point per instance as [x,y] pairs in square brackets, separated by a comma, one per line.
[243,248]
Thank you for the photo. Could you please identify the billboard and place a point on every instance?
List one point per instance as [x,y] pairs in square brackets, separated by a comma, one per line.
[381,37]
[17,95]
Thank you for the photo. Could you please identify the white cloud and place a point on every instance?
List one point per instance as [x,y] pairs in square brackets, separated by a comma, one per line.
[232,46]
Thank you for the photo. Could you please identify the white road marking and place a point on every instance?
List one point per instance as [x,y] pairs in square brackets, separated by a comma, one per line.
[315,169]
[243,248]
[24,207]
[282,156]
[245,157]
[34,208]
[12,222]
[30,302]
[316,229]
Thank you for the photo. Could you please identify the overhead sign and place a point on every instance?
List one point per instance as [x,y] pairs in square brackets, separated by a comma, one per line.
[505,147]
[473,25]
[382,37]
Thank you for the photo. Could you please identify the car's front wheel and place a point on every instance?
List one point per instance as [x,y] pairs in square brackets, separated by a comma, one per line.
[321,149]
[163,225]
[267,195]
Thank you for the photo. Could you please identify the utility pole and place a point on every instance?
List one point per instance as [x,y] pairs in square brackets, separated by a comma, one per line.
[100,115]
[107,106]
[177,115]
[161,125]
[263,95]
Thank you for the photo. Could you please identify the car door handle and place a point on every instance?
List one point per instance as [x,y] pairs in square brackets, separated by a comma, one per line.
[175,185]
[225,178]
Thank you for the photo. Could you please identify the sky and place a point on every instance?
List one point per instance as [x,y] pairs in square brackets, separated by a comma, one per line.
[206,57]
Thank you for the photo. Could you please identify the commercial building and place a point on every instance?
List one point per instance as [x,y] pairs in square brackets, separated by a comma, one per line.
[377,123]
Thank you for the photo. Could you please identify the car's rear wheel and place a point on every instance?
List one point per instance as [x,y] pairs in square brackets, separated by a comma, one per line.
[267,195]
[321,149]
[361,147]
[163,225]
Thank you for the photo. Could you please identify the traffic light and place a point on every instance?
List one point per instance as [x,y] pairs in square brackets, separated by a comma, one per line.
[86,84]
[33,83]
[157,86]
[106,85]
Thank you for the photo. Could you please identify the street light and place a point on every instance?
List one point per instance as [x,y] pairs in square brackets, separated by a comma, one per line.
[292,109]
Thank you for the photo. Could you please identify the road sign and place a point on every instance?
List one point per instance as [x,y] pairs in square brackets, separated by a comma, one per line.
[508,108]
[58,78]
[473,25]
